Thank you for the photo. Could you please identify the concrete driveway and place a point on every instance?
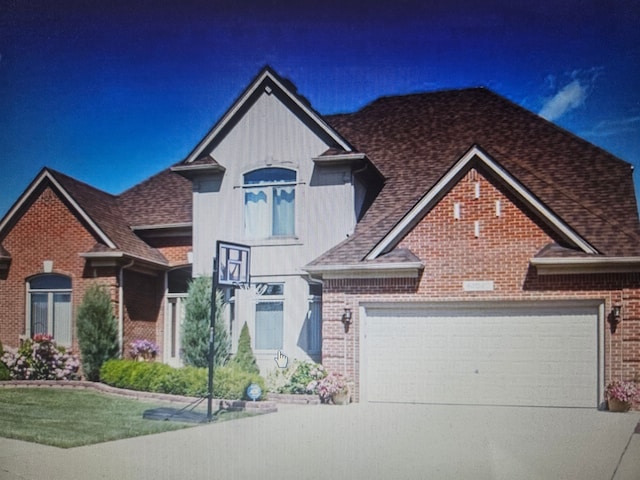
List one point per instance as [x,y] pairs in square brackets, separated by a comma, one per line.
[375,441]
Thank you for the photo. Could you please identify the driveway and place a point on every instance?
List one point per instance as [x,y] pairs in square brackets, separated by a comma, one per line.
[374,441]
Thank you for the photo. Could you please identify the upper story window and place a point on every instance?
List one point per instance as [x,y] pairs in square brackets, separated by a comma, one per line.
[269,203]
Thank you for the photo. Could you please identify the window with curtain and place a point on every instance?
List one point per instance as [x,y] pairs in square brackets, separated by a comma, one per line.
[49,303]
[269,320]
[269,203]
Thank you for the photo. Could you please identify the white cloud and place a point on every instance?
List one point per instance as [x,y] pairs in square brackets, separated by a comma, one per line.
[608,128]
[571,96]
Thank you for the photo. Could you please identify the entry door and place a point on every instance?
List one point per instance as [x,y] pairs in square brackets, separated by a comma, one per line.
[174,317]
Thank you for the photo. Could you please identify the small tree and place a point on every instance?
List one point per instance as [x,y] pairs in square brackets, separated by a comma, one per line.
[195,329]
[244,357]
[97,331]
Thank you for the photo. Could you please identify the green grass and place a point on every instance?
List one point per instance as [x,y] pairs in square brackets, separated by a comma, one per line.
[64,418]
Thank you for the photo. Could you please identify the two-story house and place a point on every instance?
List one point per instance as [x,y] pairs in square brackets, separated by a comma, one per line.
[273,175]
[438,247]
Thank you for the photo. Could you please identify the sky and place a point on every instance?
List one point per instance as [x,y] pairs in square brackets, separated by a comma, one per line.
[113,92]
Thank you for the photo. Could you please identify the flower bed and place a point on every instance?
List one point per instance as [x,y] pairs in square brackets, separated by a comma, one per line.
[41,358]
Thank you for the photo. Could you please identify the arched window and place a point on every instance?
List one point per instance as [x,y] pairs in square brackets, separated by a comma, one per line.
[49,307]
[269,203]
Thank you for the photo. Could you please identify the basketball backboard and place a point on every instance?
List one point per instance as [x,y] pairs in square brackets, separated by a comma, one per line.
[234,262]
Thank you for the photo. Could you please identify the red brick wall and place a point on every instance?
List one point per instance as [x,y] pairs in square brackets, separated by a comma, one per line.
[46,231]
[143,312]
[452,253]
[49,231]
[175,249]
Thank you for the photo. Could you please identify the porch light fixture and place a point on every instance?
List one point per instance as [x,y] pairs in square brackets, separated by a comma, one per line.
[347,317]
[617,313]
[615,317]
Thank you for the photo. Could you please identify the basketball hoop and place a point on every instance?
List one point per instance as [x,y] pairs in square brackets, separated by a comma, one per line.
[246,286]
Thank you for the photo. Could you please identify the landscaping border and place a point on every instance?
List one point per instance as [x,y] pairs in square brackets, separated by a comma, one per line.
[233,405]
[265,406]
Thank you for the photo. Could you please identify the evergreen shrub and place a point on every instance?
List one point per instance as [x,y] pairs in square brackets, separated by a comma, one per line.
[195,328]
[97,331]
[244,357]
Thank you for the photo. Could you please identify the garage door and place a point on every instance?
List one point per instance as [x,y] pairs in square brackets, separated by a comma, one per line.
[542,355]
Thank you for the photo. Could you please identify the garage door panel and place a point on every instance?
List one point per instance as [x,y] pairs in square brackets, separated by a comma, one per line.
[503,356]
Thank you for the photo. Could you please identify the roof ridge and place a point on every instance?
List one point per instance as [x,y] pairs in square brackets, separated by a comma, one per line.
[57,174]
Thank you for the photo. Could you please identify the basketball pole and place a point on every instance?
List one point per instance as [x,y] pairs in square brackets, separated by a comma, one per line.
[214,289]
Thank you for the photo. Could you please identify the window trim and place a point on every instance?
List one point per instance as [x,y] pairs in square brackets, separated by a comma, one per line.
[245,187]
[50,305]
[269,298]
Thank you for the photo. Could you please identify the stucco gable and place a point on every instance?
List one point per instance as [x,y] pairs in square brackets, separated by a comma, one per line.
[267,82]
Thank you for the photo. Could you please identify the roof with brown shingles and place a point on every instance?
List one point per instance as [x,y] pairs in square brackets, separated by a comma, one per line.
[104,210]
[163,199]
[415,139]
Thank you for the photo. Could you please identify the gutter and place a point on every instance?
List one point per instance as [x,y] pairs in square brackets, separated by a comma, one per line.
[367,270]
[120,254]
[583,265]
[339,158]
[189,170]
[163,226]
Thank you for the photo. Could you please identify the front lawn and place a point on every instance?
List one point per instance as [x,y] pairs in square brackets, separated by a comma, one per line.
[65,418]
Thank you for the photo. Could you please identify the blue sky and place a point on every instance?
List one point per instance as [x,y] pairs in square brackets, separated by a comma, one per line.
[112,92]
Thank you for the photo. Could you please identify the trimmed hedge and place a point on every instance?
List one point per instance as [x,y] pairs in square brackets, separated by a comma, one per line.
[230,382]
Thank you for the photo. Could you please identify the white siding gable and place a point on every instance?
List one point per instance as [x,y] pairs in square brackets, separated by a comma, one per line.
[269,134]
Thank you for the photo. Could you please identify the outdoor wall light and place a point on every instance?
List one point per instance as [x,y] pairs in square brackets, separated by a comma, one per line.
[617,313]
[347,316]
[615,317]
[346,319]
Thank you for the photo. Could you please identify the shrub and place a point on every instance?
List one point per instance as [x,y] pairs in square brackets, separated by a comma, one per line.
[297,378]
[5,374]
[41,359]
[230,382]
[190,381]
[4,370]
[97,331]
[195,329]
[244,358]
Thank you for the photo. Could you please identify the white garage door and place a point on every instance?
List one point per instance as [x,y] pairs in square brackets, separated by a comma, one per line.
[545,355]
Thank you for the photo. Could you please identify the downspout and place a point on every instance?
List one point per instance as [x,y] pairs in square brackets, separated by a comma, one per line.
[121,306]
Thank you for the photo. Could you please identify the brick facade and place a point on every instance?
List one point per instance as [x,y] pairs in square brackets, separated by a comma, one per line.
[47,229]
[454,250]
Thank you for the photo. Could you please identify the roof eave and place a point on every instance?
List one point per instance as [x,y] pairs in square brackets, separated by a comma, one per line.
[585,265]
[118,258]
[339,159]
[190,171]
[366,270]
